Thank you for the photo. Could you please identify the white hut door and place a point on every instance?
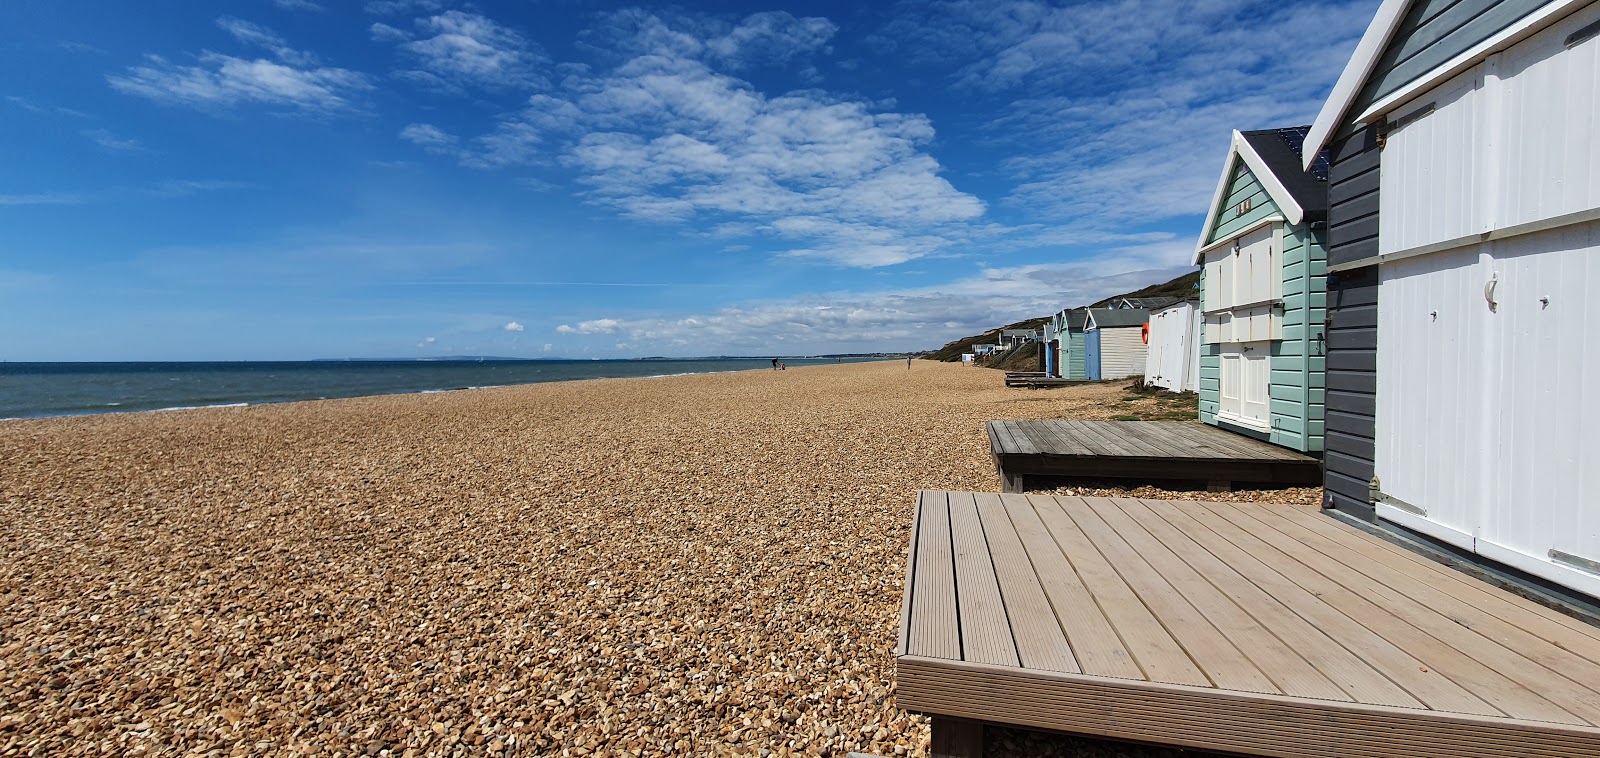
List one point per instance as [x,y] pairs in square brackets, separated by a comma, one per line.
[1246,373]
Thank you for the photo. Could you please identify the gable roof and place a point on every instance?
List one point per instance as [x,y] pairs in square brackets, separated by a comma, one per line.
[1381,32]
[1273,157]
[1077,319]
[1107,318]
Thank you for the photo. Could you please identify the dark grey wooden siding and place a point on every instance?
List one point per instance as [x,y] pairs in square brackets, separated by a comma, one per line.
[1433,32]
[1352,332]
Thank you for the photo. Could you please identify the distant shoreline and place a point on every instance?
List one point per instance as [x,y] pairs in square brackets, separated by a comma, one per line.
[52,390]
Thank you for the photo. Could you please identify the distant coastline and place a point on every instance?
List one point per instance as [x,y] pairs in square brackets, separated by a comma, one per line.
[39,390]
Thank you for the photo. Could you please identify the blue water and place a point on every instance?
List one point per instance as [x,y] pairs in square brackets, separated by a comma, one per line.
[29,390]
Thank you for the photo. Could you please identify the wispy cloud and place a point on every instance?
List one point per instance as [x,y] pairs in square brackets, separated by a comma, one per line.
[163,189]
[297,5]
[1146,125]
[513,326]
[262,37]
[426,135]
[293,80]
[456,50]
[43,198]
[910,319]
[104,138]
[664,136]
[50,110]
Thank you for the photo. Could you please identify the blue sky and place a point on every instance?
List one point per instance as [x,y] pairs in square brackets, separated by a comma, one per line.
[286,179]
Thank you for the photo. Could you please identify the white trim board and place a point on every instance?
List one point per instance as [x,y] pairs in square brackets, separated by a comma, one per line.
[1355,74]
[1530,227]
[1292,213]
[1199,255]
[1365,59]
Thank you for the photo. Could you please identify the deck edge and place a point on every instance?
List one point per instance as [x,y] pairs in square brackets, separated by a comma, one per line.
[1215,719]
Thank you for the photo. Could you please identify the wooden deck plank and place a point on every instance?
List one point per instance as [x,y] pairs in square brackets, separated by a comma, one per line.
[1024,445]
[1112,440]
[1453,650]
[1308,634]
[1228,443]
[903,645]
[1043,437]
[1040,643]
[1074,442]
[1147,587]
[1549,670]
[1221,720]
[1287,669]
[1198,445]
[1000,439]
[1209,647]
[1094,641]
[1159,655]
[935,630]
[1163,440]
[985,628]
[1319,600]
[1546,623]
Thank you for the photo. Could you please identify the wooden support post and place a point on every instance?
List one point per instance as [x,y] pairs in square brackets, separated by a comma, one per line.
[956,738]
[1219,485]
[1011,482]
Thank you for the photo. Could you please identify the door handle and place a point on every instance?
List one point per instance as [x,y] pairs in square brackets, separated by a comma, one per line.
[1488,289]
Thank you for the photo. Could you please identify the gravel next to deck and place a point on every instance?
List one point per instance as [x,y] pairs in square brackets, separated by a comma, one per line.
[687,565]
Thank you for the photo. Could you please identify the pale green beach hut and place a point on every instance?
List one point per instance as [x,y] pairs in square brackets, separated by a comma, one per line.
[1264,291]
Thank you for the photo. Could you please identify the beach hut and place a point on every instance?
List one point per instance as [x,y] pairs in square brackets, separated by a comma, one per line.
[1263,292]
[1114,342]
[1069,346]
[1172,358]
[1464,257]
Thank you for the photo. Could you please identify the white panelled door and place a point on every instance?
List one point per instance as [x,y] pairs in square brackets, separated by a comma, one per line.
[1246,374]
[1485,434]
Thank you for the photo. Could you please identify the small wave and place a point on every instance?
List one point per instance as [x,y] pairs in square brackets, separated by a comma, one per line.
[197,407]
[112,404]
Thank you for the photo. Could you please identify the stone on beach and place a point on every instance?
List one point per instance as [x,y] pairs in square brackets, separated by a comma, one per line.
[685,565]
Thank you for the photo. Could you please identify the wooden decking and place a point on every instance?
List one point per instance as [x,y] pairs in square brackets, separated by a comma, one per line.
[1270,630]
[1141,450]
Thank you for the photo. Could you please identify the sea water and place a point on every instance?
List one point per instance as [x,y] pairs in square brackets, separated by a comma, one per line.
[29,390]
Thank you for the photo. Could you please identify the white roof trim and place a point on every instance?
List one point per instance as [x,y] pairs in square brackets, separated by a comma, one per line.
[1362,61]
[1524,28]
[1292,212]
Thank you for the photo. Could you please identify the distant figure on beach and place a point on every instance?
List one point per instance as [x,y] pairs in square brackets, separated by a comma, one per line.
[908,363]
[783,367]
[774,364]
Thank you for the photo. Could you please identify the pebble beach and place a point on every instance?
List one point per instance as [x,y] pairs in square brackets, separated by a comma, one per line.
[689,565]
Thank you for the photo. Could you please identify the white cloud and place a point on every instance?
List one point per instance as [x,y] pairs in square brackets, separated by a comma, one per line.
[382,32]
[297,5]
[109,141]
[514,327]
[598,326]
[1144,131]
[548,347]
[426,135]
[262,37]
[908,319]
[227,81]
[426,341]
[456,49]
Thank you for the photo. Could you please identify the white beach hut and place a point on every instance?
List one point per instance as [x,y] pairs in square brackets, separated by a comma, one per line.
[1464,254]
[1172,358]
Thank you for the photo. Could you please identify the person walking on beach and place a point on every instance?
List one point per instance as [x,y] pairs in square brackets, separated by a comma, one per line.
[908,363]
[774,364]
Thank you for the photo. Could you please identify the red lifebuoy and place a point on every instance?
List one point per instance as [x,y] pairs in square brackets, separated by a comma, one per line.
[1144,332]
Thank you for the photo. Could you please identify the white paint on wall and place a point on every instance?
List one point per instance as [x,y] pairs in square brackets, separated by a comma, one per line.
[1506,143]
[1122,352]
[1486,363]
